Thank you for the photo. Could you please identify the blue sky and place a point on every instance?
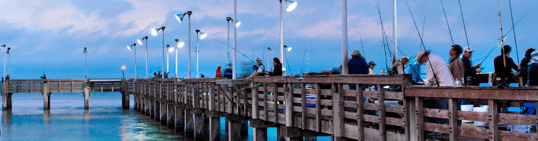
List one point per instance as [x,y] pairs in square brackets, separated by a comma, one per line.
[48,36]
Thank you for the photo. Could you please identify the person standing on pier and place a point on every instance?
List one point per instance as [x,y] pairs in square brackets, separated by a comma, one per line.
[414,70]
[455,65]
[218,73]
[357,64]
[436,63]
[260,71]
[277,69]
[398,66]
[533,70]
[228,72]
[525,64]
[371,66]
[469,72]
[504,72]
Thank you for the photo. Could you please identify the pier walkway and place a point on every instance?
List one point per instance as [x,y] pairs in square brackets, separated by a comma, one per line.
[350,107]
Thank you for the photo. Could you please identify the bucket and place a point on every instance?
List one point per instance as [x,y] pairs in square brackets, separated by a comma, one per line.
[467,108]
[483,109]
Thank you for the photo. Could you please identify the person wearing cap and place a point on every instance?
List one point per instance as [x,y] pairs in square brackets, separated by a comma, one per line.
[218,73]
[455,64]
[502,71]
[371,66]
[398,66]
[532,76]
[435,65]
[469,71]
[525,64]
[357,64]
[260,71]
[228,73]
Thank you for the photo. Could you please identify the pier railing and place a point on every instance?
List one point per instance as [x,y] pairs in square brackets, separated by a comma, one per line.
[497,123]
[36,85]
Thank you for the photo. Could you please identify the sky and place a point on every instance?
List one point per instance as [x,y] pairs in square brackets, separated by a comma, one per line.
[48,36]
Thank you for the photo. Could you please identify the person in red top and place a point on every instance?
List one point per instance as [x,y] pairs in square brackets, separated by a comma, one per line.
[218,74]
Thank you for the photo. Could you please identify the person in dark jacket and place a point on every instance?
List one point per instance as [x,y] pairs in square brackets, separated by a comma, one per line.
[277,69]
[502,71]
[228,73]
[470,71]
[533,70]
[525,63]
[357,64]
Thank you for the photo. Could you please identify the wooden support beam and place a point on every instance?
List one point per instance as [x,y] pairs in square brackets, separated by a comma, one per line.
[214,128]
[259,134]
[493,121]
[318,107]
[338,110]
[360,111]
[453,119]
[381,106]
[303,104]
[419,118]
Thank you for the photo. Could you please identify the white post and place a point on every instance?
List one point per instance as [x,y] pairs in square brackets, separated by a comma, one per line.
[163,55]
[176,60]
[189,45]
[282,40]
[136,68]
[5,62]
[394,31]
[234,72]
[196,50]
[147,58]
[168,62]
[86,64]
[344,37]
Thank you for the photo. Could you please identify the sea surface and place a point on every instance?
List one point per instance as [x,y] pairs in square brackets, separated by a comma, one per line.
[67,120]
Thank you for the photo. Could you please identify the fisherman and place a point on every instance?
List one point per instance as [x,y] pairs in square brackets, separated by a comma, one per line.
[357,64]
[218,73]
[259,71]
[502,71]
[398,66]
[440,74]
[533,70]
[470,72]
[525,63]
[455,64]
[371,66]
[228,73]
[414,70]
[277,68]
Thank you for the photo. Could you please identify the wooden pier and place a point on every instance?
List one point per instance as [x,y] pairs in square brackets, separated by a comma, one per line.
[350,107]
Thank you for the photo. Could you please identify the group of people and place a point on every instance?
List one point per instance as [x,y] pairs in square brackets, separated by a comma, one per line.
[260,69]
[458,70]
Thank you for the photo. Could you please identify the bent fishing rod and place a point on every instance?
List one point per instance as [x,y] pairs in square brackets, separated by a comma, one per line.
[424,46]
[515,41]
[382,33]
[505,35]
[465,28]
[502,39]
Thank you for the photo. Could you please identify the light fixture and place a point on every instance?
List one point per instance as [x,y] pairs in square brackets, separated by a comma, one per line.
[155,31]
[287,48]
[237,23]
[123,68]
[180,17]
[270,50]
[179,44]
[170,49]
[140,41]
[291,6]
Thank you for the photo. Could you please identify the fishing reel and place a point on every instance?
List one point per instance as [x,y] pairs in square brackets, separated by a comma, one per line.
[501,82]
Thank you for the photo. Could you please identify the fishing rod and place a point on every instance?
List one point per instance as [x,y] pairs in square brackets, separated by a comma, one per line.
[382,33]
[286,57]
[235,50]
[515,41]
[502,39]
[464,28]
[505,35]
[446,19]
[421,41]
[360,36]
[302,64]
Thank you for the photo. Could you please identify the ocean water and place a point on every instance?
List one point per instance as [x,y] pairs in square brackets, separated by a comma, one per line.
[67,120]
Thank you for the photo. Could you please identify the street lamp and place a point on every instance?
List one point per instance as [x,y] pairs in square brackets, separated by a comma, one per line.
[291,5]
[179,44]
[123,71]
[170,50]
[9,61]
[269,51]
[237,24]
[288,49]
[179,18]
[154,33]
[133,46]
[4,46]
[200,36]
[140,42]
[85,51]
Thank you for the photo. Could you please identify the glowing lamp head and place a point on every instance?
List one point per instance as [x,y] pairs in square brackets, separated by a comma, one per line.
[203,35]
[180,17]
[237,24]
[154,31]
[123,68]
[180,44]
[291,6]
[289,49]
[170,49]
[139,41]
[129,47]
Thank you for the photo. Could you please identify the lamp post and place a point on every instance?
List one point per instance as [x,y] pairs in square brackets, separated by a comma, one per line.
[9,60]
[288,49]
[290,7]
[170,50]
[237,24]
[4,46]
[180,19]
[154,32]
[85,51]
[179,44]
[140,42]
[269,51]
[133,47]
[199,35]
[344,37]
[123,71]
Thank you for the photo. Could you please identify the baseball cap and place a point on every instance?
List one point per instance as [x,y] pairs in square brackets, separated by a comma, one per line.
[468,49]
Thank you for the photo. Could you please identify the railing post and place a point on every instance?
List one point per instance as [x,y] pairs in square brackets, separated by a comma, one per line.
[381,106]
[420,118]
[338,110]
[289,105]
[493,120]
[303,104]
[87,93]
[287,96]
[453,118]
[360,112]
[46,96]
[254,101]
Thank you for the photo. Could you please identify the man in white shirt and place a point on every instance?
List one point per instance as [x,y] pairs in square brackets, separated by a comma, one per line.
[442,75]
[371,66]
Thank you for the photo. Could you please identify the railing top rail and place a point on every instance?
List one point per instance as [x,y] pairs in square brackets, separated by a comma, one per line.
[49,80]
[510,93]
[209,80]
[360,79]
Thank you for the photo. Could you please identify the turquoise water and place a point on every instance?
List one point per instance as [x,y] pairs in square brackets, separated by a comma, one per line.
[67,120]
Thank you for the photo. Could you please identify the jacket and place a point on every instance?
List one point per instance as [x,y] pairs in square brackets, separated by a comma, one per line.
[456,67]
[357,65]
[532,74]
[499,66]
[398,68]
[441,71]
[228,73]
[524,69]
[277,70]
